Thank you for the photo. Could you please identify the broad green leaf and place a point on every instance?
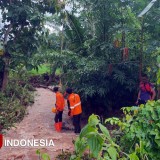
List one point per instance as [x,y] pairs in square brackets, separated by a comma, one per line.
[133,156]
[95,143]
[129,118]
[112,153]
[105,131]
[93,120]
[45,156]
[87,129]
[80,145]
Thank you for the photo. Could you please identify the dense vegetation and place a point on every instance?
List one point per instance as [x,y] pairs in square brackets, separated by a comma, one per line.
[14,100]
[22,35]
[134,137]
[137,137]
[101,49]
[92,52]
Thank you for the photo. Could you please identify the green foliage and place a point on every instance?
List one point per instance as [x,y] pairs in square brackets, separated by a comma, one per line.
[92,60]
[158,63]
[40,70]
[58,72]
[139,137]
[140,128]
[95,138]
[23,32]
[25,19]
[1,71]
[42,156]
[91,64]
[91,78]
[14,100]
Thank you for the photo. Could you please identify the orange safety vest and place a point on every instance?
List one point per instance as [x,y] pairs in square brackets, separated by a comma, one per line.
[75,104]
[60,103]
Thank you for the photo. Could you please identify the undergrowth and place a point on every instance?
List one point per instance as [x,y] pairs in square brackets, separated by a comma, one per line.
[13,102]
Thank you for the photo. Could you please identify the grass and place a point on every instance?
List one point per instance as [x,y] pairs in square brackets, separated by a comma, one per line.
[58,71]
[45,68]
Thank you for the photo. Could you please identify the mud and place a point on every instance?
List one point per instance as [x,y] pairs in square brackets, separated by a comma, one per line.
[39,124]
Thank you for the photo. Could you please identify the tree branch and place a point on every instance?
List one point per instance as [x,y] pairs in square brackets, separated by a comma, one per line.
[7,33]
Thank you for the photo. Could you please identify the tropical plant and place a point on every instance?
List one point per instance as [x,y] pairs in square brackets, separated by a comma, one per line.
[97,32]
[95,140]
[140,128]
[96,68]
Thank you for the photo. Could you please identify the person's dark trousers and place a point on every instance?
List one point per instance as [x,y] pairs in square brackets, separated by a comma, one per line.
[141,102]
[76,123]
[58,117]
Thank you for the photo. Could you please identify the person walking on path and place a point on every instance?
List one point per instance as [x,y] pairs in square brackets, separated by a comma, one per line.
[146,91]
[75,109]
[60,103]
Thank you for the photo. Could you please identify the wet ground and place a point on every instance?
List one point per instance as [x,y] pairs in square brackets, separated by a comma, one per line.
[39,124]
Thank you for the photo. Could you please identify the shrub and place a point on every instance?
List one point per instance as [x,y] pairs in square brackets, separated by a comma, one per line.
[138,137]
[140,130]
[13,104]
[95,140]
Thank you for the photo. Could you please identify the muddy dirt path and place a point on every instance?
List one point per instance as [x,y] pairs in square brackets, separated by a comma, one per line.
[38,124]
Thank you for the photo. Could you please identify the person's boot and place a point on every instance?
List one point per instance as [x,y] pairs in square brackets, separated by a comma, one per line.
[60,126]
[56,125]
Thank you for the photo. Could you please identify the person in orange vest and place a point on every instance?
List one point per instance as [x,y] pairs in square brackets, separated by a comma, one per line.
[60,103]
[75,109]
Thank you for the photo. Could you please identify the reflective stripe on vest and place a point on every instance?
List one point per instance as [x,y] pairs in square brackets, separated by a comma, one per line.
[72,107]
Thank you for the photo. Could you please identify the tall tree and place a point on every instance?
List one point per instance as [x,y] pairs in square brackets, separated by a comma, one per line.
[100,33]
[22,31]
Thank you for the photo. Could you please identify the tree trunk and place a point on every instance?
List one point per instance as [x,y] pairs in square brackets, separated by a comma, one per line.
[141,50]
[1,73]
[6,59]
[158,97]
[5,75]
